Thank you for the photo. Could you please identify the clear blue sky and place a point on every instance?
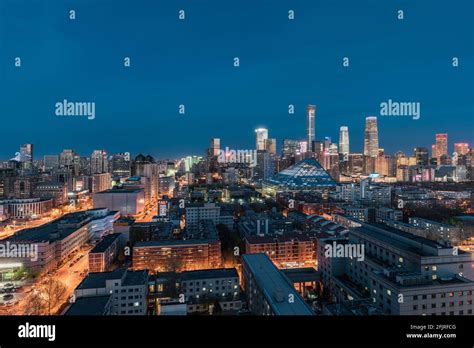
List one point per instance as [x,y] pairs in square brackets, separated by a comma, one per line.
[191,62]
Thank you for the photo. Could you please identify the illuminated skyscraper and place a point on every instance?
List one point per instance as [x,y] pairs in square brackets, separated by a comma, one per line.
[261,137]
[99,163]
[26,156]
[214,146]
[270,146]
[371,139]
[421,156]
[461,148]
[344,140]
[310,124]
[66,157]
[433,151]
[441,145]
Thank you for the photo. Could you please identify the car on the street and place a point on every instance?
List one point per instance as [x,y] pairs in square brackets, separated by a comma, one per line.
[7,297]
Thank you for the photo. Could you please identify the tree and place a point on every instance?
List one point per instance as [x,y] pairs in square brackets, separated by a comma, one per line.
[53,292]
[36,304]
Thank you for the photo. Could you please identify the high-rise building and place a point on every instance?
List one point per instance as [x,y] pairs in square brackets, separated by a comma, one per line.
[265,167]
[214,147]
[66,157]
[310,124]
[356,163]
[433,151]
[344,140]
[50,162]
[441,146]
[121,164]
[270,146]
[461,148]
[421,155]
[371,139]
[290,147]
[26,156]
[99,162]
[261,137]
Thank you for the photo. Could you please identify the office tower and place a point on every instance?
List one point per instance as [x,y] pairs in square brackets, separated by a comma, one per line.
[371,139]
[441,146]
[66,158]
[26,156]
[214,147]
[421,156]
[50,162]
[356,163]
[310,124]
[433,151]
[290,147]
[99,162]
[270,146]
[261,136]
[461,148]
[265,166]
[344,140]
[303,146]
[121,165]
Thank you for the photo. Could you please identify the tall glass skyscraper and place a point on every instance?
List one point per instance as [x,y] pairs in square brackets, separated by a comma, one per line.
[371,138]
[344,140]
[441,145]
[26,156]
[310,124]
[214,147]
[261,137]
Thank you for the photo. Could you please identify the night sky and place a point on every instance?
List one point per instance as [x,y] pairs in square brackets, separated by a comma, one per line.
[190,62]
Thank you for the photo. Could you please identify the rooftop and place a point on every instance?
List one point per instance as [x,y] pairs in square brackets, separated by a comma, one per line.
[304,175]
[105,243]
[210,274]
[273,282]
[92,305]
[129,278]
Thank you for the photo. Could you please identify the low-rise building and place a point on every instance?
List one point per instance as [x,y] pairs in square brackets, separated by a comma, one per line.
[104,253]
[200,249]
[128,290]
[268,291]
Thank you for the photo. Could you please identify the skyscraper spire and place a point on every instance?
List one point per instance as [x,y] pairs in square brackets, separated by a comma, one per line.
[310,125]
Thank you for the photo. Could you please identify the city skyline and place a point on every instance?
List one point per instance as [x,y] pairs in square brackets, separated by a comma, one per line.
[262,136]
[221,99]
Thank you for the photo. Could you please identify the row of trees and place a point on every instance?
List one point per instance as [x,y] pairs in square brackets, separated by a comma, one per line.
[49,294]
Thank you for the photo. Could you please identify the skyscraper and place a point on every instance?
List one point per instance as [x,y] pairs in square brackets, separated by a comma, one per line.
[214,147]
[421,155]
[121,164]
[66,157]
[371,139]
[26,156]
[441,145]
[344,140]
[99,163]
[261,137]
[461,148]
[310,124]
[270,146]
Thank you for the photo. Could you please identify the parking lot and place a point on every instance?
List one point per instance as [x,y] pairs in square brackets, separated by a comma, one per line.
[11,292]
